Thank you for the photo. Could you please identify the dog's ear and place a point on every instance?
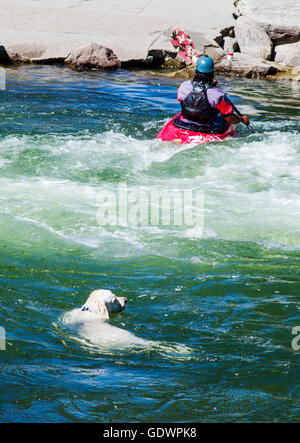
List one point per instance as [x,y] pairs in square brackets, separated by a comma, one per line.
[103,311]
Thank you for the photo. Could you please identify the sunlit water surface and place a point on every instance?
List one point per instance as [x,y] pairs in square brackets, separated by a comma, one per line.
[215,308]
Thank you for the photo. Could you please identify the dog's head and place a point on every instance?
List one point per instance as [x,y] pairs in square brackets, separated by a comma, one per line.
[104,302]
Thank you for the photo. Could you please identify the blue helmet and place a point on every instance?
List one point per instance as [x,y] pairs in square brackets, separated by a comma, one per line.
[205,64]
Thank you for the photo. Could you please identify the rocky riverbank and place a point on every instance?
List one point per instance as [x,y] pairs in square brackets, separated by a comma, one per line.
[265,36]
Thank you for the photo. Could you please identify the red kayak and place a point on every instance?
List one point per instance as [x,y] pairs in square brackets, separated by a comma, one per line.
[170,133]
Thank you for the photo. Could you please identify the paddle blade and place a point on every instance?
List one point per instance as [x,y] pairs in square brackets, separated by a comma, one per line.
[251,129]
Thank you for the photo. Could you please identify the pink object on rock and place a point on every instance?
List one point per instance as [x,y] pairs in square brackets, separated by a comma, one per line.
[184,45]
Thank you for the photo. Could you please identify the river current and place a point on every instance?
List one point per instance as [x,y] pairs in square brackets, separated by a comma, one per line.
[215,306]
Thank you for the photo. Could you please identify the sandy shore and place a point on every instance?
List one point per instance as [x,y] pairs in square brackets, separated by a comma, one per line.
[128,27]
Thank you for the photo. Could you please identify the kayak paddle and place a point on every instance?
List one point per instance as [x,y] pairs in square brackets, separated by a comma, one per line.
[185,47]
[251,129]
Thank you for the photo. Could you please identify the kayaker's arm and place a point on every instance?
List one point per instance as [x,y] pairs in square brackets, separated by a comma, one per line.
[234,119]
[226,108]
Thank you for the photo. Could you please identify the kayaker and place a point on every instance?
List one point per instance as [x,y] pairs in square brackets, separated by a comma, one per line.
[204,106]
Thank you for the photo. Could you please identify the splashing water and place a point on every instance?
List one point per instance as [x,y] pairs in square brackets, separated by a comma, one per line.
[218,306]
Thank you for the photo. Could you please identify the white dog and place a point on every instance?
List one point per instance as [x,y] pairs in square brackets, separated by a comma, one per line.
[90,321]
[103,302]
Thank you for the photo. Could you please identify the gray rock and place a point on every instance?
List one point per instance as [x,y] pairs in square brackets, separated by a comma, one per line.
[247,66]
[228,32]
[93,56]
[161,49]
[4,57]
[253,39]
[281,35]
[279,12]
[216,53]
[288,55]
[25,52]
[39,53]
[231,43]
[162,42]
[205,45]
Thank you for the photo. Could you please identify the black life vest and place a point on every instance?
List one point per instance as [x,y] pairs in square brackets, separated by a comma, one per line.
[196,107]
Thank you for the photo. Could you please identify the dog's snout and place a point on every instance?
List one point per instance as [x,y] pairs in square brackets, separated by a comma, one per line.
[125,299]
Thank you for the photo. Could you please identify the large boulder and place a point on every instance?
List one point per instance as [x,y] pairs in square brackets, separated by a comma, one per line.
[281,35]
[161,49]
[253,39]
[276,12]
[242,66]
[206,46]
[288,55]
[248,66]
[38,53]
[93,56]
[25,52]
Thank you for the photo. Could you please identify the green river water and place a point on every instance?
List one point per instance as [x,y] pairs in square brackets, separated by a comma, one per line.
[215,307]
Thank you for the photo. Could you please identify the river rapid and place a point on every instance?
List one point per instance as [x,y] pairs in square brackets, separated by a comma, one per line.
[214,307]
